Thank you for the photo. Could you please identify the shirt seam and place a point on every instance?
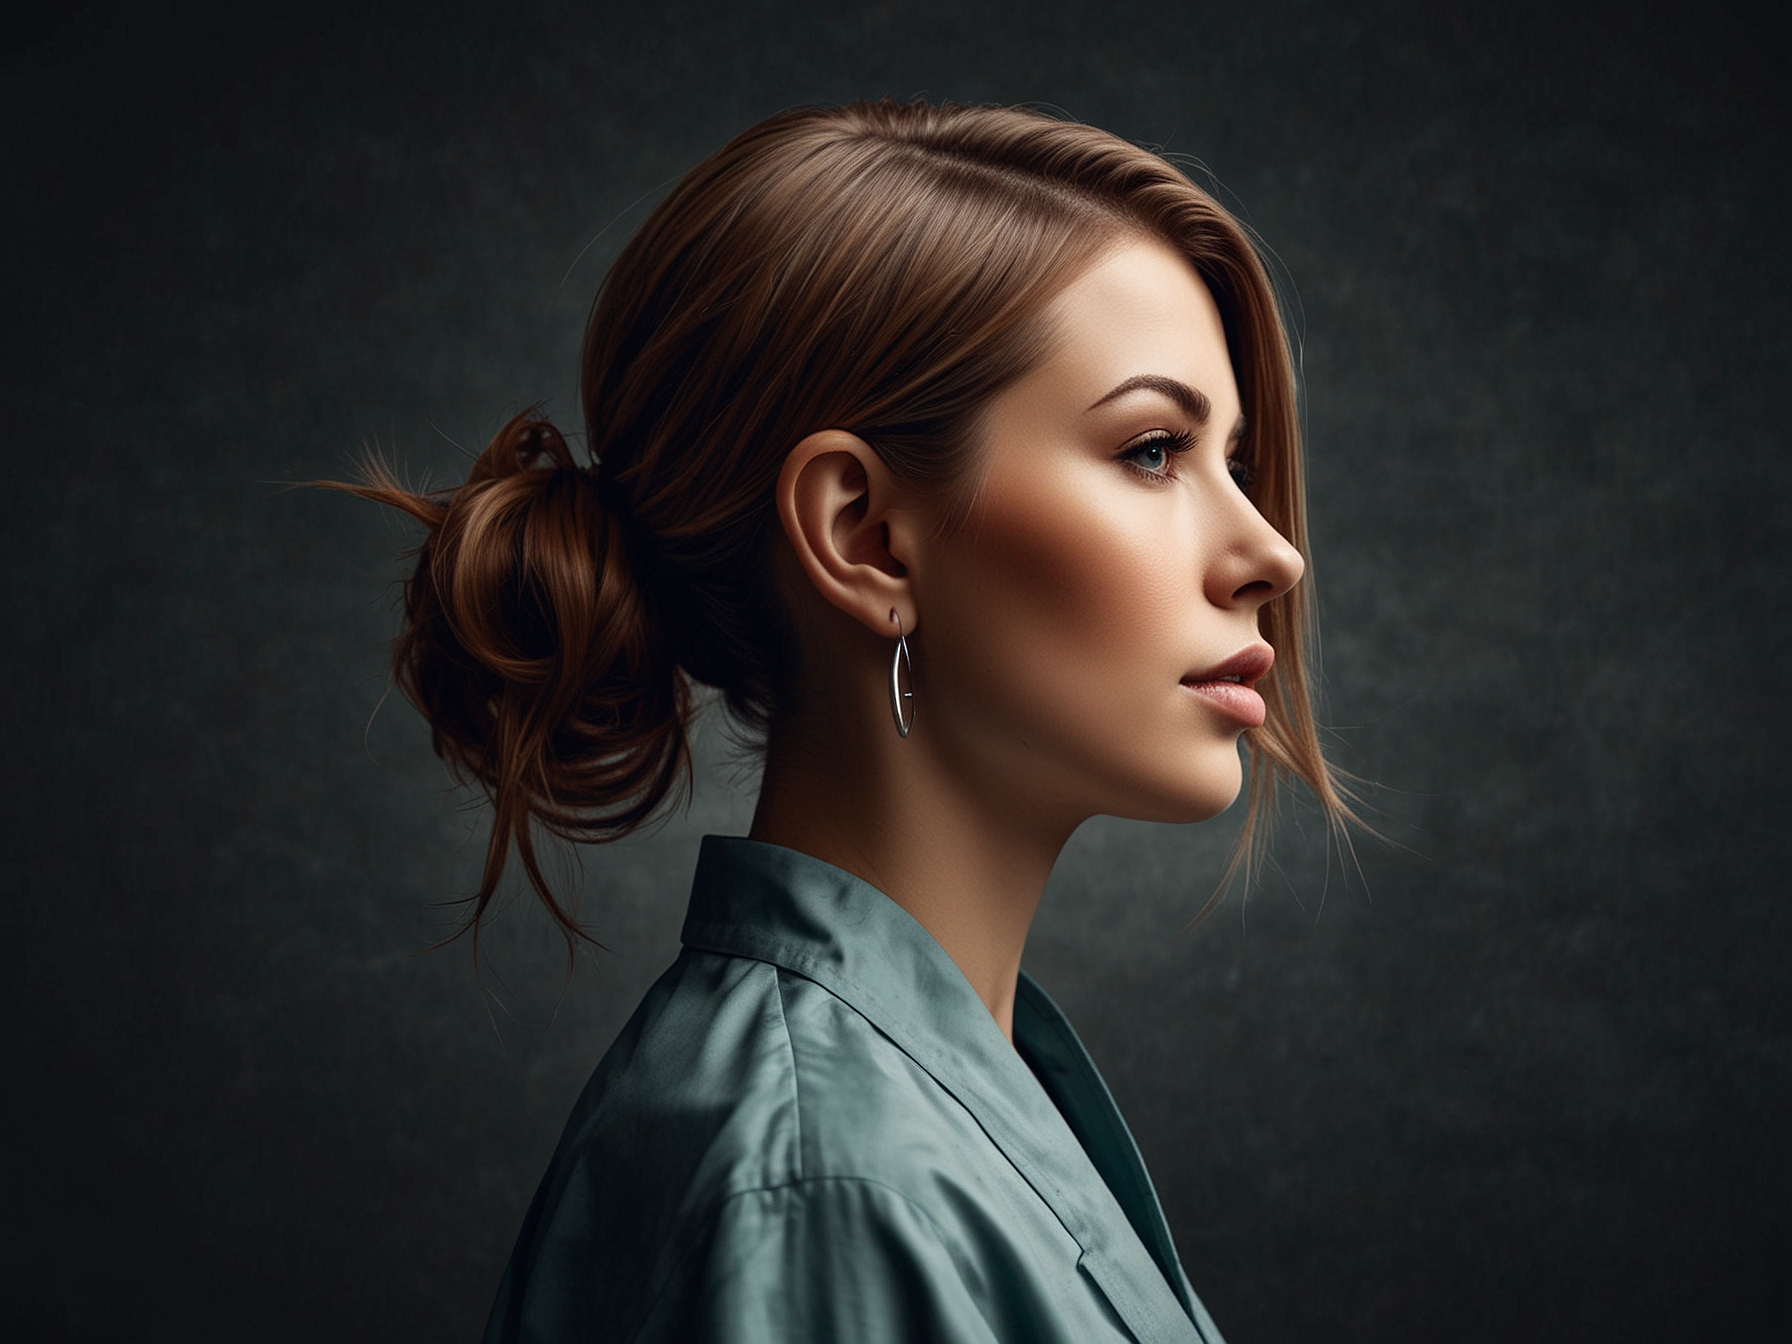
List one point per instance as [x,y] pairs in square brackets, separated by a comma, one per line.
[796,1085]
[713,1216]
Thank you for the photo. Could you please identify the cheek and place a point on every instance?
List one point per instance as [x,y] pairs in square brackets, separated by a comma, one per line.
[1057,592]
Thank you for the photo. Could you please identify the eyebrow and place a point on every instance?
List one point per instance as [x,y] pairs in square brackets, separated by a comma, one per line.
[1192,402]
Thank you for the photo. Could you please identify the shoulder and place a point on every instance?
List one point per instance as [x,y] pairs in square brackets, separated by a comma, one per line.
[750,1133]
[697,1093]
[735,1075]
[738,1075]
[693,1103]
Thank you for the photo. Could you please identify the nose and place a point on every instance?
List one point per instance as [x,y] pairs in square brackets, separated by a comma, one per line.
[1255,564]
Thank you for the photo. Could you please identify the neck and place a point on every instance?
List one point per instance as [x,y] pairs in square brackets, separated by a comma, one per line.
[893,812]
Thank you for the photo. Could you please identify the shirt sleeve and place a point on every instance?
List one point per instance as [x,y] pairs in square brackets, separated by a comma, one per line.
[821,1260]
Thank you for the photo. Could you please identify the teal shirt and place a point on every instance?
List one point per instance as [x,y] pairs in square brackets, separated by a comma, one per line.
[813,1130]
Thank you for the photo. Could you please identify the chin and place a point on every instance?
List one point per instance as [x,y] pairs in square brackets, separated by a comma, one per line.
[1195,796]
[1207,808]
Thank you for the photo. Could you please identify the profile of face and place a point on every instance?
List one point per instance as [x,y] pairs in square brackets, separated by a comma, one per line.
[1091,631]
[833,306]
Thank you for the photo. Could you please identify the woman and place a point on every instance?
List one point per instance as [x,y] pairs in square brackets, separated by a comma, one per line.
[956,449]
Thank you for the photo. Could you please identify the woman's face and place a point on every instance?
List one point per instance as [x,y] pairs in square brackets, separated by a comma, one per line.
[1078,632]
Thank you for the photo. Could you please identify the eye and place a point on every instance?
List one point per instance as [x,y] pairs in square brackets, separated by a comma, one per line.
[1154,456]
[1239,466]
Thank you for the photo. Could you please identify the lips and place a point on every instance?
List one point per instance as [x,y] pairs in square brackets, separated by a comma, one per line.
[1247,665]
[1228,687]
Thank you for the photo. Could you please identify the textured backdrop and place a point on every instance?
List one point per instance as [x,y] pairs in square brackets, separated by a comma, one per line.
[1525,1078]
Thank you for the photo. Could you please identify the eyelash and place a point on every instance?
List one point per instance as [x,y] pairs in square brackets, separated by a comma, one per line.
[1175,445]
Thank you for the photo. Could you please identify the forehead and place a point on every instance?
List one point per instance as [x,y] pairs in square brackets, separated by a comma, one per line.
[1140,309]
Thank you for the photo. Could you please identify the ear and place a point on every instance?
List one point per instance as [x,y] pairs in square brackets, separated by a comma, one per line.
[843,513]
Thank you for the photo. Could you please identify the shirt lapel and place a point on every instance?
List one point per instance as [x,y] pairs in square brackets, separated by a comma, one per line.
[1044,1036]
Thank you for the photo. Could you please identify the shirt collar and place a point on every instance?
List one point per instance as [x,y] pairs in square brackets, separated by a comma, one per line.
[779,906]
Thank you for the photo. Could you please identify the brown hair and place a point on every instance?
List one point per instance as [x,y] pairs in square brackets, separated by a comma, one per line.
[878,268]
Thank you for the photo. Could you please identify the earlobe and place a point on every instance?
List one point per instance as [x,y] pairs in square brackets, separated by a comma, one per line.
[843,514]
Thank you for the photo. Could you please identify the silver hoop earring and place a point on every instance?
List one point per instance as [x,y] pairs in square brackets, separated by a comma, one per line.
[899,663]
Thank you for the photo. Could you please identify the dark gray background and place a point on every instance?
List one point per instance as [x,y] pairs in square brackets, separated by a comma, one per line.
[1528,1079]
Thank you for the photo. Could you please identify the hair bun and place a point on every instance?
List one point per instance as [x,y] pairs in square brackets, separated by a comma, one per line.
[531,650]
